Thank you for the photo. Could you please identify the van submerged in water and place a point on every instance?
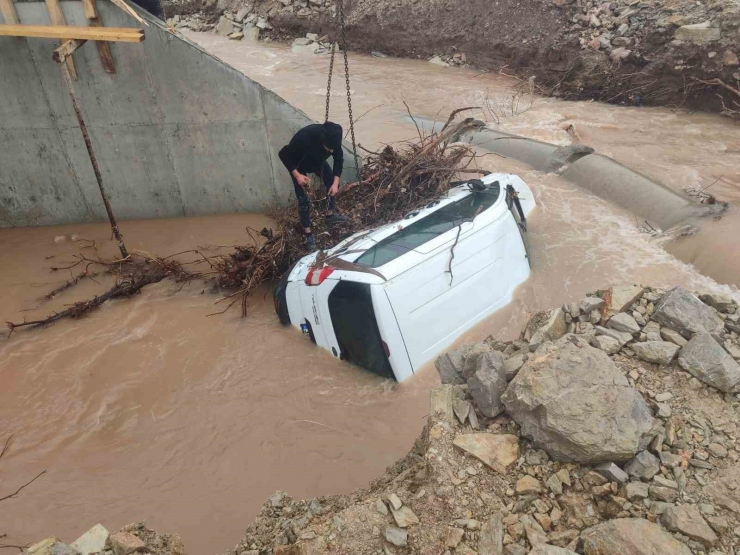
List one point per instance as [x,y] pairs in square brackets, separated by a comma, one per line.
[392,298]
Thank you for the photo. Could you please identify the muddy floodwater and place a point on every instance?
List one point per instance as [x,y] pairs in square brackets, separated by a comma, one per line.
[151,409]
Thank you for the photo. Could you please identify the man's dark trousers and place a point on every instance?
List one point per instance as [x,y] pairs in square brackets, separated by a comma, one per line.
[304,204]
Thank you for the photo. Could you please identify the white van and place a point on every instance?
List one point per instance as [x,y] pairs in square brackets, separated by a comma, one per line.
[392,298]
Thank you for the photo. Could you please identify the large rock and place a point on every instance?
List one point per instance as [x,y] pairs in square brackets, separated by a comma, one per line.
[688,521]
[643,466]
[488,384]
[225,27]
[708,361]
[498,452]
[92,541]
[698,32]
[620,297]
[630,536]
[125,543]
[491,539]
[44,547]
[607,344]
[718,301]
[620,336]
[576,404]
[659,352]
[680,311]
[456,366]
[623,322]
[477,352]
[546,326]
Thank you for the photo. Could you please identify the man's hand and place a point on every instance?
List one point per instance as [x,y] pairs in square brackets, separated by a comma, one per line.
[302,180]
[334,189]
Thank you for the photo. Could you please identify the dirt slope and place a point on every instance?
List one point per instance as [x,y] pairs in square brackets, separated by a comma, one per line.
[622,51]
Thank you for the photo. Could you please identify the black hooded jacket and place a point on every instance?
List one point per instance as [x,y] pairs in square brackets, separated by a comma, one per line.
[306,152]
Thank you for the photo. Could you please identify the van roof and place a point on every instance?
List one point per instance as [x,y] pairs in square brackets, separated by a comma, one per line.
[352,248]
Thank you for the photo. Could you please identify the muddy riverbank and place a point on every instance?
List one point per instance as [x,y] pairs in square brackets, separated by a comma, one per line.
[651,52]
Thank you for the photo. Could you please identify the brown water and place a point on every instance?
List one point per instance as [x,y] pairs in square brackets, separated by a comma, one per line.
[149,409]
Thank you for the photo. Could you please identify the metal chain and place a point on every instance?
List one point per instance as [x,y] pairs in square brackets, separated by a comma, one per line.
[328,85]
[343,45]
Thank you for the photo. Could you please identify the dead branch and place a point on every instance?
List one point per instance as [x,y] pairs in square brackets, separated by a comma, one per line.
[16,492]
[718,83]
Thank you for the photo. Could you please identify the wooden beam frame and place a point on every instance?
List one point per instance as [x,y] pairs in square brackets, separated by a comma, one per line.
[57,18]
[108,34]
[66,49]
[9,14]
[93,19]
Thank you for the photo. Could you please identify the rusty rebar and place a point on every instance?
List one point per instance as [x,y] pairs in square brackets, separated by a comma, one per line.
[93,159]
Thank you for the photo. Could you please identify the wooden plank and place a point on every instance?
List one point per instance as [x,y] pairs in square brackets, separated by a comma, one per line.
[9,14]
[66,49]
[106,56]
[129,10]
[57,18]
[109,34]
[91,10]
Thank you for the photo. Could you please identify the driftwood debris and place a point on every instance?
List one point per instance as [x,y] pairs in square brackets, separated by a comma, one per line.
[394,181]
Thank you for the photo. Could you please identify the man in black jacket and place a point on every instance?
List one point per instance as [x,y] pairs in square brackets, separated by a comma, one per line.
[307,153]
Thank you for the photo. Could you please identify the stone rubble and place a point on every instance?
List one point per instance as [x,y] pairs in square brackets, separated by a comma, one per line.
[598,450]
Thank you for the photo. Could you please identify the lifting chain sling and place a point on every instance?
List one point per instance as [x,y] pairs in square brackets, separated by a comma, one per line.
[343,46]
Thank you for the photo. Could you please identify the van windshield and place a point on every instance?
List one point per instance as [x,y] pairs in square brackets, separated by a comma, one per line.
[429,227]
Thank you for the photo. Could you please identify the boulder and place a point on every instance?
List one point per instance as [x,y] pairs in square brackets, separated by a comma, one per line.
[643,466]
[574,403]
[590,304]
[636,491]
[698,33]
[512,365]
[396,536]
[312,48]
[302,41]
[488,384]
[620,297]
[494,360]
[673,337]
[403,516]
[243,12]
[687,520]
[612,472]
[450,365]
[438,61]
[491,538]
[546,326]
[92,541]
[630,536]
[44,547]
[659,352]
[607,344]
[718,301]
[498,452]
[708,361]
[614,334]
[680,311]
[251,34]
[236,36]
[125,543]
[623,322]
[730,59]
[225,27]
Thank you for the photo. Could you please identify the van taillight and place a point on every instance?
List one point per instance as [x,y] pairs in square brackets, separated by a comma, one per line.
[316,276]
[386,349]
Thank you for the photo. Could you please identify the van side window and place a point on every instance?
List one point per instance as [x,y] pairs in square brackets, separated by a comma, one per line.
[435,224]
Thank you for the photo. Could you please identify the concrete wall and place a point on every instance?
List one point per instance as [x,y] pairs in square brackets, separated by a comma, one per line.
[599,174]
[176,131]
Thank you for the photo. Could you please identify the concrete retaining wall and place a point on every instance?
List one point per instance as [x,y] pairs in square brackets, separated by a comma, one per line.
[176,131]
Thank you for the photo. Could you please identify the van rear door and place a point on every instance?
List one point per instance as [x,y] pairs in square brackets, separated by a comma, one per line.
[356,328]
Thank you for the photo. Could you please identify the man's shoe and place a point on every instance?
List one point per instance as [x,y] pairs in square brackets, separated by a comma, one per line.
[310,243]
[334,219]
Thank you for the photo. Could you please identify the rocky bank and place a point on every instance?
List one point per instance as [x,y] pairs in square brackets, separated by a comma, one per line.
[610,427]
[659,52]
